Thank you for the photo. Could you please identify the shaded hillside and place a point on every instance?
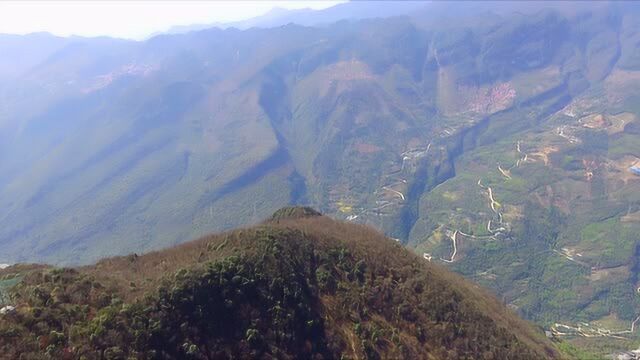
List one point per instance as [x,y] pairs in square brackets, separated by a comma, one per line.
[103,140]
[301,287]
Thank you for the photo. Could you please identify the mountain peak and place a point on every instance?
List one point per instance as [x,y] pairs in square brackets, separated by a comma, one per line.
[294,212]
[312,288]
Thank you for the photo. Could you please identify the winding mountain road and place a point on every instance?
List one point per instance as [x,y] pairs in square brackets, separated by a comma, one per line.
[395,192]
[505,173]
[455,248]
[494,203]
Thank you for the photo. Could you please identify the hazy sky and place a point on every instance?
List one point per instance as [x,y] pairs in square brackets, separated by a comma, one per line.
[130,19]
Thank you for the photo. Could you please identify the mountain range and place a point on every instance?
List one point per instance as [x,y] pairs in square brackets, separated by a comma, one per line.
[348,11]
[498,139]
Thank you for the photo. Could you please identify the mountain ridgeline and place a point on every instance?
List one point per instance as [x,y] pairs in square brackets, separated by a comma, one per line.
[297,286]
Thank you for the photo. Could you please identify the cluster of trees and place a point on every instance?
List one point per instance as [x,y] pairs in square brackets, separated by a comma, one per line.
[286,292]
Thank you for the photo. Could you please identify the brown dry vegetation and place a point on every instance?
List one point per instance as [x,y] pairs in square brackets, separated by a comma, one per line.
[360,294]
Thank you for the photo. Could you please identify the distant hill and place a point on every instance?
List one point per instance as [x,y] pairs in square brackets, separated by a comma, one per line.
[303,286]
[21,53]
[350,11]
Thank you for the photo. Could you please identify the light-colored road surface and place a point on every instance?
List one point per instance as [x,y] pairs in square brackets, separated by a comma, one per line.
[570,138]
[494,203]
[505,173]
[523,156]
[589,331]
[396,178]
[496,230]
[395,192]
[381,207]
[404,159]
[455,248]
[476,236]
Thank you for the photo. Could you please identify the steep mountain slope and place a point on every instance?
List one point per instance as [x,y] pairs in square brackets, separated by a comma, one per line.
[300,285]
[108,137]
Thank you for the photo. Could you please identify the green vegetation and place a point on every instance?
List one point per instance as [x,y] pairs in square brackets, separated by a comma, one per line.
[112,147]
[576,353]
[569,252]
[297,287]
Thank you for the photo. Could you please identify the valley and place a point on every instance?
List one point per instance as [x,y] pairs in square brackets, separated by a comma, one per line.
[499,143]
